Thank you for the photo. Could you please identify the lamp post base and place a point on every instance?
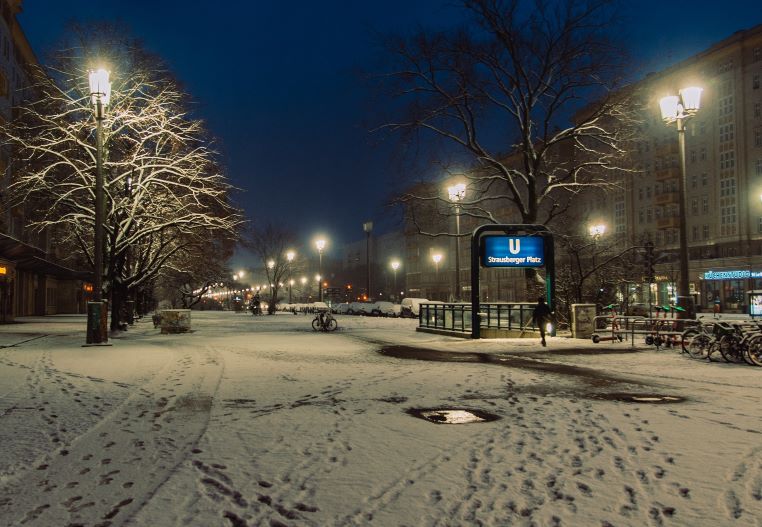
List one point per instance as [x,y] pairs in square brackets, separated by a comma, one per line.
[686,302]
[97,323]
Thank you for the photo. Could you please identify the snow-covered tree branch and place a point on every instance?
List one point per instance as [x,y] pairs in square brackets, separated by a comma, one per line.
[165,190]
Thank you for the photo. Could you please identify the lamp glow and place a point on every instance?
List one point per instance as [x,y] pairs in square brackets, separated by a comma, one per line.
[100,87]
[457,192]
[597,230]
[669,107]
[691,98]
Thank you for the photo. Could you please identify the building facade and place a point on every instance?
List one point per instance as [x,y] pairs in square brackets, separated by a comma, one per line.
[32,282]
[723,161]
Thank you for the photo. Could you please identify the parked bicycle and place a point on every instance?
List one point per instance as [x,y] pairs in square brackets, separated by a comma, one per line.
[324,321]
[735,342]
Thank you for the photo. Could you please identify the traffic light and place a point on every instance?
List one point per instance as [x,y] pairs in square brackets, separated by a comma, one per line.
[648,261]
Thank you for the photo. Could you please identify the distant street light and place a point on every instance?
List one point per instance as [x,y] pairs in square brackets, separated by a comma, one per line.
[320,244]
[678,109]
[100,95]
[437,258]
[290,255]
[395,265]
[456,193]
[368,228]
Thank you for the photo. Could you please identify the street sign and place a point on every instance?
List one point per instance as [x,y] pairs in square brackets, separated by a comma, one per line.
[512,251]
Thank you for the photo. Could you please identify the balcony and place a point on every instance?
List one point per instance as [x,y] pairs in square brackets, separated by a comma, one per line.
[666,148]
[667,173]
[671,222]
[667,198]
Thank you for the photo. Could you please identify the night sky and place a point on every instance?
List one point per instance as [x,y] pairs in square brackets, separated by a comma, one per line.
[284,86]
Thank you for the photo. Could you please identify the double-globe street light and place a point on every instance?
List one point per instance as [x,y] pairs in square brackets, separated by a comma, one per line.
[678,109]
[456,193]
[100,96]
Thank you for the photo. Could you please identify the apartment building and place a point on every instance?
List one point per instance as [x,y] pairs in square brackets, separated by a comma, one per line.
[723,175]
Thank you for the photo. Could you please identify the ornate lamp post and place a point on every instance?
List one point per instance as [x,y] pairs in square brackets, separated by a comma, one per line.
[678,109]
[290,255]
[100,96]
[456,193]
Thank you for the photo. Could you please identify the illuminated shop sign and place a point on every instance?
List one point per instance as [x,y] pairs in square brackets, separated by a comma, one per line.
[739,274]
[513,251]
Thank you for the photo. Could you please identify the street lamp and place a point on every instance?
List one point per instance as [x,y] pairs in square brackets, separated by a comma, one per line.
[320,244]
[395,265]
[678,109]
[368,228]
[437,258]
[290,255]
[596,231]
[100,95]
[456,193]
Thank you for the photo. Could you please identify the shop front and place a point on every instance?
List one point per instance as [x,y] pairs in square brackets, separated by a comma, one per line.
[728,290]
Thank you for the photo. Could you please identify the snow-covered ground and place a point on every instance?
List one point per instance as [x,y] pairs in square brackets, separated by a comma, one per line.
[253,421]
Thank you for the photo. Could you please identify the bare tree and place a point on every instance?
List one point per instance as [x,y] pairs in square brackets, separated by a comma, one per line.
[271,243]
[165,192]
[525,91]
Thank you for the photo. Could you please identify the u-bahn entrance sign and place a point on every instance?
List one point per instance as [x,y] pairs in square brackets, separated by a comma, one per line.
[511,246]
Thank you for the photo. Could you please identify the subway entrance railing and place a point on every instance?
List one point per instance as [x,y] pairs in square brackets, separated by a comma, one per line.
[513,316]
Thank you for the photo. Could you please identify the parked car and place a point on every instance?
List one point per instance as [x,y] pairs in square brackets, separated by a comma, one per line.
[410,307]
[341,309]
[385,309]
[359,308]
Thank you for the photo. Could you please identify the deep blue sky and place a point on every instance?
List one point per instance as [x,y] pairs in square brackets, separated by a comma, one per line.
[280,84]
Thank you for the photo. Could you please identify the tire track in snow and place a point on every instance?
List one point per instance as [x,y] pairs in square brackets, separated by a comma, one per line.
[105,475]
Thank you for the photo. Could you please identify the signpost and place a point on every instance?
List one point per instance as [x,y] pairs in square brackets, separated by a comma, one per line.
[511,246]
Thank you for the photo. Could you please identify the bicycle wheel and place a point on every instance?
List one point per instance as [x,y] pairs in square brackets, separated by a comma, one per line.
[316,324]
[753,352]
[331,325]
[730,349]
[686,338]
[698,347]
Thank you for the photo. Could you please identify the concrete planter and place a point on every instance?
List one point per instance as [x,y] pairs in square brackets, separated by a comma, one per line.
[175,320]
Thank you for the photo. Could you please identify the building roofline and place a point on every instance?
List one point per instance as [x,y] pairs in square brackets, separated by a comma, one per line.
[737,37]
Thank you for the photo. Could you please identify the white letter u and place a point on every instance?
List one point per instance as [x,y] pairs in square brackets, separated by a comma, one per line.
[514,248]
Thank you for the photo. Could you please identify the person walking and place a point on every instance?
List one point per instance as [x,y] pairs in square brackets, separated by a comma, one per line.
[540,317]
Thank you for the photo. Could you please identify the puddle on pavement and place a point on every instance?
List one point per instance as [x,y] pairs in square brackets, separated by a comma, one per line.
[452,416]
[590,376]
[651,398]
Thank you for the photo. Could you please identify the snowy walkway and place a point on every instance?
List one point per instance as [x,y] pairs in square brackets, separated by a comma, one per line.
[261,422]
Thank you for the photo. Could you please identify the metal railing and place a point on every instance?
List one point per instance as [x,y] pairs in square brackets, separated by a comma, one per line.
[457,317]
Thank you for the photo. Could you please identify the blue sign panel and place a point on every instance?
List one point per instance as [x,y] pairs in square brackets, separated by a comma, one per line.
[513,251]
